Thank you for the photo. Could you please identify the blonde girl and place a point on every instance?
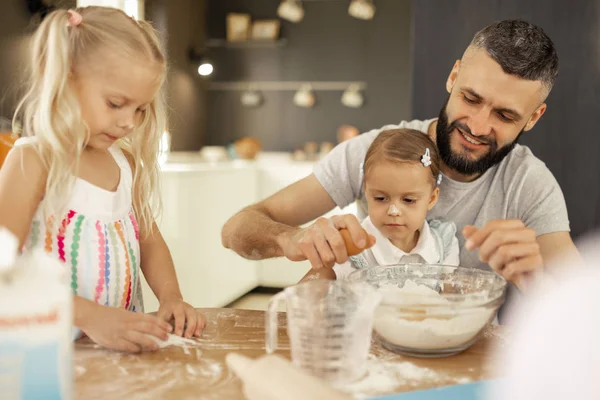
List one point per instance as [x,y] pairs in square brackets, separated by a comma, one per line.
[82,182]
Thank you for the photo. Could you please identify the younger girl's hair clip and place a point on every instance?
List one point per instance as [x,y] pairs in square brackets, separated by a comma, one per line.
[74,18]
[426,159]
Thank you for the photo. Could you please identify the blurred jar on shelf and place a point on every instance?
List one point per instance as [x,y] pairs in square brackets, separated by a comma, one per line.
[347,132]
[8,137]
[312,150]
[246,148]
[325,148]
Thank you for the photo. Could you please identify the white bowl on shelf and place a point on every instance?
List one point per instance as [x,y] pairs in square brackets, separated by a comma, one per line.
[214,153]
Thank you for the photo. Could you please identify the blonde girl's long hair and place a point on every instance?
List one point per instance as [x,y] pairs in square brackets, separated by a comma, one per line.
[50,110]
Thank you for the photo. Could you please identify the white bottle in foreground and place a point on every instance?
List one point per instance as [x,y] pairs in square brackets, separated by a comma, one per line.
[35,325]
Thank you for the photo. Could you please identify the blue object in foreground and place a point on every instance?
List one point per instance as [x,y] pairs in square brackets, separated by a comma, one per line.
[469,391]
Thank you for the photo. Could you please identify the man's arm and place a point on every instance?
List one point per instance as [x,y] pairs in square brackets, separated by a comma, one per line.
[256,232]
[270,228]
[319,274]
[556,246]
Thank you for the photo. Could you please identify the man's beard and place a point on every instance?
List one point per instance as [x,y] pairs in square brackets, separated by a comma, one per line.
[463,164]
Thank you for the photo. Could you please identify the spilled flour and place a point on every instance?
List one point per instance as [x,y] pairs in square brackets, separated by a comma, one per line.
[385,377]
[173,371]
[173,340]
[181,369]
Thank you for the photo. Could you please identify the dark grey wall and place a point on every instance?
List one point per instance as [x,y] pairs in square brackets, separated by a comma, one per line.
[566,138]
[15,26]
[328,45]
[181,24]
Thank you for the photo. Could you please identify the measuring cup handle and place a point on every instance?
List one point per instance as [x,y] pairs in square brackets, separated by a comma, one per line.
[271,325]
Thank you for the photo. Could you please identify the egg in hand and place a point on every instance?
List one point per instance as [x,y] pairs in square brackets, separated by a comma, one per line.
[351,248]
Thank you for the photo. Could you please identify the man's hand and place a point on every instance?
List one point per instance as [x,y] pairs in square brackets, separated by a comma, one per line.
[509,247]
[322,243]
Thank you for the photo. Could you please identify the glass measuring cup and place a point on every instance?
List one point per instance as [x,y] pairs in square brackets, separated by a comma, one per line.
[329,324]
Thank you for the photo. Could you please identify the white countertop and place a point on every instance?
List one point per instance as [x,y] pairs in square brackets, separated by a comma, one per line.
[183,161]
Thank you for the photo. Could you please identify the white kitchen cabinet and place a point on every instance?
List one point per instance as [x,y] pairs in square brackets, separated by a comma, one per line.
[274,176]
[197,200]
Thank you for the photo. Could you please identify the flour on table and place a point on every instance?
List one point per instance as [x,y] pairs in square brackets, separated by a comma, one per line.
[190,369]
[169,373]
[144,376]
[385,377]
[174,340]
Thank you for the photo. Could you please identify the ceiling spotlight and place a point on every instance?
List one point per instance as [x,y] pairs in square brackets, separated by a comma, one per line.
[352,97]
[362,9]
[205,66]
[251,98]
[304,97]
[291,10]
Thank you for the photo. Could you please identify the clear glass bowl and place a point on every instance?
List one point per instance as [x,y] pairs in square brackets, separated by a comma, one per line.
[432,310]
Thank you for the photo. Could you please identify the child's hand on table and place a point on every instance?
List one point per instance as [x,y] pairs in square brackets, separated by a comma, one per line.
[187,321]
[122,330]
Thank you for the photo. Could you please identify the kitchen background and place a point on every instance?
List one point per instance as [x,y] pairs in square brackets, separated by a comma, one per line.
[400,59]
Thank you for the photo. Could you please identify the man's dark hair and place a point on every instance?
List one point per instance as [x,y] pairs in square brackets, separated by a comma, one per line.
[521,48]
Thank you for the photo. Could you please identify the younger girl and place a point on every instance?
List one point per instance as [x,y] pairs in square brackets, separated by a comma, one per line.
[401,174]
[82,184]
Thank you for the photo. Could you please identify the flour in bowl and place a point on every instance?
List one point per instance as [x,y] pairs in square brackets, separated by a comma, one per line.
[448,328]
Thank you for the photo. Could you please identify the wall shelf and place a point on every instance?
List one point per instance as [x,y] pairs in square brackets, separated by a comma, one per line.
[246,44]
[285,85]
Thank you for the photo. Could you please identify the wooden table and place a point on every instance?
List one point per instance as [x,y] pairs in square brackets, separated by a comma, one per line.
[199,371]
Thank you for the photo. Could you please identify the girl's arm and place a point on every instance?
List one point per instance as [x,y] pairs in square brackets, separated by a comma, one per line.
[22,183]
[159,270]
[158,267]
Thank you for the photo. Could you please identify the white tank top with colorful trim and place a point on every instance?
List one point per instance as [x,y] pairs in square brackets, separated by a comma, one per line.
[98,240]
